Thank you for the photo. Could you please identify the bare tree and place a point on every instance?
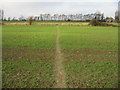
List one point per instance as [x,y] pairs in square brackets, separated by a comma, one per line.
[21,18]
[30,20]
[1,14]
[35,18]
[9,18]
[13,19]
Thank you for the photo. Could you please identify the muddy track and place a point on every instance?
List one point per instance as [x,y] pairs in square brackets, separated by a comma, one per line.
[59,69]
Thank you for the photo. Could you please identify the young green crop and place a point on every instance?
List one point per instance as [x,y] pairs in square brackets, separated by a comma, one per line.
[89,53]
[97,38]
[91,58]
[28,56]
[29,36]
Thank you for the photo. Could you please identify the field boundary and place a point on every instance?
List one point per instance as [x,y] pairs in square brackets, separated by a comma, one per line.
[57,24]
[59,69]
[60,24]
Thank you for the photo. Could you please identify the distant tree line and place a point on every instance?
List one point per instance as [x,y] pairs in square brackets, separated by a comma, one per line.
[62,17]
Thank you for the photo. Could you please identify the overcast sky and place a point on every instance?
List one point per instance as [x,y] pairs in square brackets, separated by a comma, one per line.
[16,8]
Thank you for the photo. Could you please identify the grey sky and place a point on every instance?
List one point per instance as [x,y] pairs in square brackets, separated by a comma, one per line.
[35,7]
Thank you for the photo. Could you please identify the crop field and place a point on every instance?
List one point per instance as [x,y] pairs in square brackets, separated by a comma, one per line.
[28,56]
[89,56]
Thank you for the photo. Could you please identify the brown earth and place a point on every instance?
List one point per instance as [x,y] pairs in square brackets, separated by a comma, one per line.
[90,51]
[61,24]
[15,23]
[27,54]
[91,55]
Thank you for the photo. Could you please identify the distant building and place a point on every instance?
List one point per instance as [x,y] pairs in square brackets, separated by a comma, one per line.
[109,19]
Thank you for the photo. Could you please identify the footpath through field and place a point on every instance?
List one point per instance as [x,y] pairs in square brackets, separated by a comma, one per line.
[59,69]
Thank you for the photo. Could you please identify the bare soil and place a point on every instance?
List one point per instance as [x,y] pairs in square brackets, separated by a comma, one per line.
[60,24]
[27,54]
[81,55]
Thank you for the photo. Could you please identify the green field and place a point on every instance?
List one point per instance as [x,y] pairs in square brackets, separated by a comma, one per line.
[90,56]
[28,56]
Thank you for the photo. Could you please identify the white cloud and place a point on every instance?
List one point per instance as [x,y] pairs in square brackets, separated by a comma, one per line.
[59,0]
[35,8]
